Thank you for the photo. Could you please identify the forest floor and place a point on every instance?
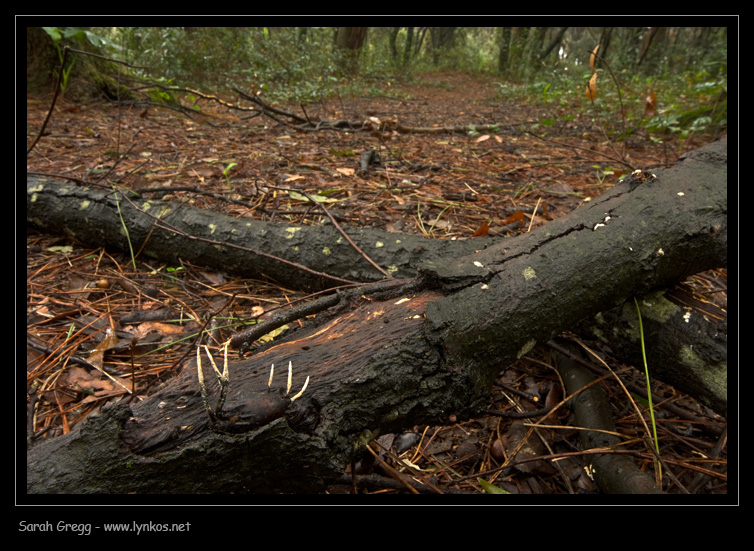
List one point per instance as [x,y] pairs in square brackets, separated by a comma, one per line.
[442,185]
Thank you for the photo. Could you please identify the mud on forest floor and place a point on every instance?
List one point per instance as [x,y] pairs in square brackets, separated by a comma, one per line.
[445,185]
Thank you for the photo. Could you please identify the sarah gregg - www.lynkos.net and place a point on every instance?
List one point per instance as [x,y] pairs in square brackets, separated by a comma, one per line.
[84,529]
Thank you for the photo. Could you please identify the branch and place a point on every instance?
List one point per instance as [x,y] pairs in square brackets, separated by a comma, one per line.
[379,366]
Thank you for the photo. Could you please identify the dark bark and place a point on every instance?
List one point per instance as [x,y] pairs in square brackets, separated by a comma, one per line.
[378,366]
[173,231]
[615,474]
[686,344]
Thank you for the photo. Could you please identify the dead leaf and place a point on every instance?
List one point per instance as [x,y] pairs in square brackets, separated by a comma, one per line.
[161,328]
[483,230]
[650,104]
[591,89]
[96,356]
[517,216]
[592,57]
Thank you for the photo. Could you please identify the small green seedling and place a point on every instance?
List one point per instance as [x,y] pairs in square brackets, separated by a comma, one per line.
[225,173]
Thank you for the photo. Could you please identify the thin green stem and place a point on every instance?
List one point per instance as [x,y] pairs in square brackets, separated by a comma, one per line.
[646,372]
[125,229]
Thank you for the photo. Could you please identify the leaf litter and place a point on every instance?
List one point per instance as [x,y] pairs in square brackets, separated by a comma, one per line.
[99,330]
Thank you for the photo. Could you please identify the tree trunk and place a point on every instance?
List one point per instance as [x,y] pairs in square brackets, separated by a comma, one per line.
[41,61]
[349,41]
[173,231]
[379,366]
[686,344]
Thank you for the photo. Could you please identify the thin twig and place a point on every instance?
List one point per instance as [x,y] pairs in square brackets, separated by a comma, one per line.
[344,234]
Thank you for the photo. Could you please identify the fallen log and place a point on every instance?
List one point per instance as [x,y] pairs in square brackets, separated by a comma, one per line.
[173,232]
[379,366]
[371,124]
[686,347]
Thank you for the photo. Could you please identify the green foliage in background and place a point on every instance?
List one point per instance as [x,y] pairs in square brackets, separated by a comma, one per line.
[685,67]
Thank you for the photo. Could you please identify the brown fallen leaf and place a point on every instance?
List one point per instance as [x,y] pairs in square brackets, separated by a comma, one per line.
[482,231]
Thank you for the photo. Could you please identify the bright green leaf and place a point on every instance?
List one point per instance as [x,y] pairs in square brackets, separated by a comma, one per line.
[491,488]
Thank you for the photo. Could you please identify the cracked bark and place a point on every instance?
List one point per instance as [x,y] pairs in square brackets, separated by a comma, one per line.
[384,365]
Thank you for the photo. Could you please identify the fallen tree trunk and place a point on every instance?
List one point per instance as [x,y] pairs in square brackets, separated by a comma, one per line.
[615,474]
[686,347]
[371,124]
[173,232]
[379,366]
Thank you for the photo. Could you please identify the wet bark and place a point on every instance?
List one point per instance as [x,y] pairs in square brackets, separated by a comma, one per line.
[686,344]
[378,366]
[614,473]
[304,257]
